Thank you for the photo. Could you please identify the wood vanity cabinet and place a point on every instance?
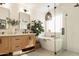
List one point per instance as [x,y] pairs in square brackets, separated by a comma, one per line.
[4,45]
[16,43]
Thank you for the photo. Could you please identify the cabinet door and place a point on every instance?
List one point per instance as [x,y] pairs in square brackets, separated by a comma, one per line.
[4,45]
[24,41]
[32,40]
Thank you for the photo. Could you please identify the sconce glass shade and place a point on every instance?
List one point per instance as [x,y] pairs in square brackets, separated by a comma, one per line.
[48,16]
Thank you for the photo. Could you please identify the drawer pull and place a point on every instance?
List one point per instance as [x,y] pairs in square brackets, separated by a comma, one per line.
[29,38]
[17,46]
[17,39]
[0,41]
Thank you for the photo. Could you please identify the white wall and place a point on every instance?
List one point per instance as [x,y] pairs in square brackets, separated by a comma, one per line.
[4,12]
[73,30]
[71,26]
[14,11]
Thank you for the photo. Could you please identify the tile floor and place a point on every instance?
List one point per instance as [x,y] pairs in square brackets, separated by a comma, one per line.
[68,53]
[43,52]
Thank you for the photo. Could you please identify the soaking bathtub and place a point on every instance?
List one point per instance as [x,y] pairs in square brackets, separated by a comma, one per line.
[49,43]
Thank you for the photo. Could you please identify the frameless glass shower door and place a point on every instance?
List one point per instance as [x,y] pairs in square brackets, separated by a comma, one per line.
[59,29]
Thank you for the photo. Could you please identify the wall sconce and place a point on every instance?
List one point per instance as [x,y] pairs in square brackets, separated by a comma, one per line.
[2,3]
[5,5]
[25,10]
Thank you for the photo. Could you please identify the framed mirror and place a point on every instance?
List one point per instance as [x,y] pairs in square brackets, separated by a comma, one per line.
[24,20]
[4,13]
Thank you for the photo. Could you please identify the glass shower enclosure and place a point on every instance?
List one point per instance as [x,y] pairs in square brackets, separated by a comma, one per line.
[55,30]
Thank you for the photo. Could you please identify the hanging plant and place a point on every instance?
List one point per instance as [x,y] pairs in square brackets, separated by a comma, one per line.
[12,22]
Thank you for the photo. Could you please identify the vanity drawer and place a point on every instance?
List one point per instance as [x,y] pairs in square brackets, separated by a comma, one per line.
[18,42]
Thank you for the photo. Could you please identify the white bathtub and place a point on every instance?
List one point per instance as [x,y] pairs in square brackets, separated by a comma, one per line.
[48,43]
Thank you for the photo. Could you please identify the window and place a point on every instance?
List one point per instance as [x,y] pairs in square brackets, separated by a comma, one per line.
[55,24]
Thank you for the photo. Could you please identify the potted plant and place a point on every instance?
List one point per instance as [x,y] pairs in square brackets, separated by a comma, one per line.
[36,27]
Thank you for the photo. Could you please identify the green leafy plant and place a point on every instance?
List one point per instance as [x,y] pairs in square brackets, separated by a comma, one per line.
[36,27]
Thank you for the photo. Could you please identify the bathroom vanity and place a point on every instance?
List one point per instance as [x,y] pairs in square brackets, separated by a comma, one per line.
[15,42]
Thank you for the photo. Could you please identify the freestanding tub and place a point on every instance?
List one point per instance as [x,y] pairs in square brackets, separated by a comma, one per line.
[49,43]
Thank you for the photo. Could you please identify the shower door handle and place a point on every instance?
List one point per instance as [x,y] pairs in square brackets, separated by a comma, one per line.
[63,31]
